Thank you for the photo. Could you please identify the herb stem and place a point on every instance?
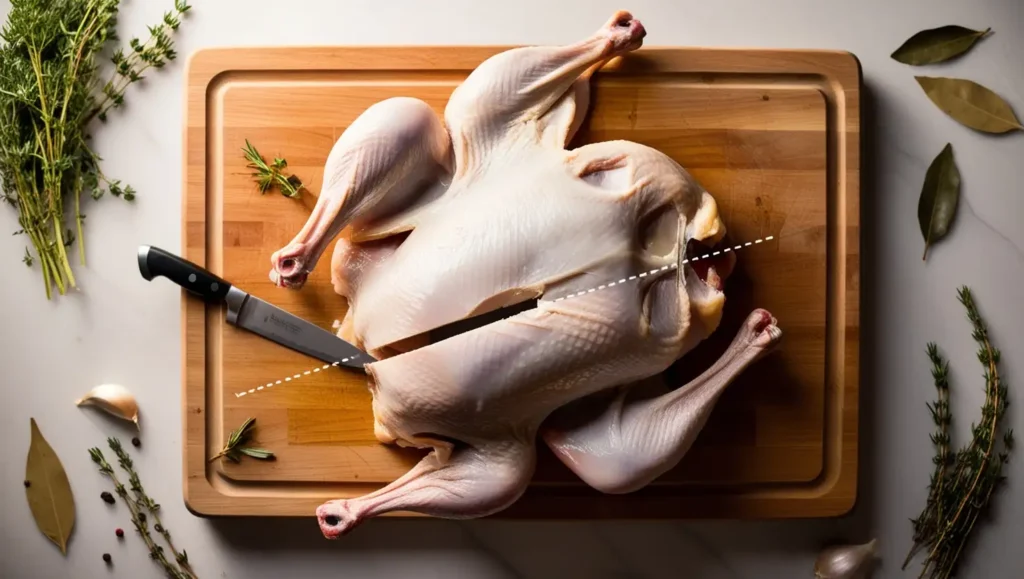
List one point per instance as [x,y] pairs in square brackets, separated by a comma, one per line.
[959,496]
[78,221]
[156,552]
[143,500]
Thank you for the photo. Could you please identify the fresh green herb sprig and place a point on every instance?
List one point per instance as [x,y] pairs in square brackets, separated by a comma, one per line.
[233,448]
[136,504]
[267,176]
[144,500]
[962,485]
[50,91]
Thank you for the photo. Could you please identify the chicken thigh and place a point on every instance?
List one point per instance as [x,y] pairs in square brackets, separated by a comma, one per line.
[440,221]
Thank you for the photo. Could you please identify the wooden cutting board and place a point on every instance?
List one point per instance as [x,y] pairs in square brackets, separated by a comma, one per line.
[773,134]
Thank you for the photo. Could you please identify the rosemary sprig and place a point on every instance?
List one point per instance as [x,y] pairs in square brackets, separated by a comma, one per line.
[962,485]
[135,505]
[50,91]
[233,448]
[268,175]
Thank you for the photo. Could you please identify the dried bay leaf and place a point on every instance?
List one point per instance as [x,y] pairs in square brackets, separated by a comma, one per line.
[939,195]
[49,492]
[937,44]
[970,104]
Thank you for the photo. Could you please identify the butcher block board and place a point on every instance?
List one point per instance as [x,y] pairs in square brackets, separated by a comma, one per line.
[772,134]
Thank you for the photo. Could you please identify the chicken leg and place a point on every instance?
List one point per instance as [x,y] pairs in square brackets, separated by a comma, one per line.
[473,482]
[622,444]
[382,161]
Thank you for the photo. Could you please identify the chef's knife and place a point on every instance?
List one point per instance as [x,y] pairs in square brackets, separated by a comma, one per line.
[250,312]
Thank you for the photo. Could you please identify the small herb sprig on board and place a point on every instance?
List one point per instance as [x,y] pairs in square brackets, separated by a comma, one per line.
[268,175]
[233,448]
[136,504]
[961,486]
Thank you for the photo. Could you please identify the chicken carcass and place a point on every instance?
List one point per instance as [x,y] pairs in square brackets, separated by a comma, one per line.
[441,220]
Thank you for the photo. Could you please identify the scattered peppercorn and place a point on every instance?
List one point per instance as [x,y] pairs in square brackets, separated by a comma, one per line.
[107,497]
[136,441]
[158,528]
[106,557]
[142,517]
[119,532]
[27,484]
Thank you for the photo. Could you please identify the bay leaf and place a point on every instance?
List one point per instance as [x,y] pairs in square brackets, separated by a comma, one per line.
[970,104]
[49,492]
[939,196]
[937,44]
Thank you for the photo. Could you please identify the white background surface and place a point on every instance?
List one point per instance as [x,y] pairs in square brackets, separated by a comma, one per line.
[123,329]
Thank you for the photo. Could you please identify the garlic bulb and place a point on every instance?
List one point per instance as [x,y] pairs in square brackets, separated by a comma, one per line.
[113,399]
[846,561]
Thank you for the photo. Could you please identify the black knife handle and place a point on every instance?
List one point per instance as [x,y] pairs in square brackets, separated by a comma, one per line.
[154,261]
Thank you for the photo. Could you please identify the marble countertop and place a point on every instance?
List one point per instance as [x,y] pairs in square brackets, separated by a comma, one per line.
[120,330]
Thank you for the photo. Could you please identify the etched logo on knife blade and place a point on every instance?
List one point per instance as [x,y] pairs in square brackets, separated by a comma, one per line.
[291,327]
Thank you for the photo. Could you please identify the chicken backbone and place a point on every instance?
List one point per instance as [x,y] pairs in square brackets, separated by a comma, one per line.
[441,220]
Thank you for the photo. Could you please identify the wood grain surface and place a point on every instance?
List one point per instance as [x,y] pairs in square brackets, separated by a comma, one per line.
[773,135]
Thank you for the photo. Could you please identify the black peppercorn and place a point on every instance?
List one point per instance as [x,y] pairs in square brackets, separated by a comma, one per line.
[27,484]
[142,517]
[106,557]
[136,441]
[107,497]
[158,528]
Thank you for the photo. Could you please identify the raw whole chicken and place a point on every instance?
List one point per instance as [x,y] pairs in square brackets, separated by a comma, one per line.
[440,220]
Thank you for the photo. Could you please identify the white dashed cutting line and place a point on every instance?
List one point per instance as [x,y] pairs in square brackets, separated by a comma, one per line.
[570,296]
[662,268]
[294,377]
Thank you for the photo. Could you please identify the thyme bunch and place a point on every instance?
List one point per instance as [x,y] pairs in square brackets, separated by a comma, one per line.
[139,501]
[50,92]
[962,485]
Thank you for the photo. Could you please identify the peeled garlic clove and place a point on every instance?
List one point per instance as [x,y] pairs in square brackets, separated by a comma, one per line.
[846,561]
[113,399]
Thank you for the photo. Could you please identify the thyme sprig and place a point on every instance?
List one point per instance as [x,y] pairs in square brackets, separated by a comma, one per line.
[267,176]
[144,500]
[962,485]
[50,91]
[136,504]
[233,448]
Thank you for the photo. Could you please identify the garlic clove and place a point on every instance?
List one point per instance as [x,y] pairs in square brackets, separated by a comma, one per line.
[113,399]
[846,561]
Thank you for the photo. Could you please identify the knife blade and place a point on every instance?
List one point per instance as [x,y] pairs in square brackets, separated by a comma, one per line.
[251,313]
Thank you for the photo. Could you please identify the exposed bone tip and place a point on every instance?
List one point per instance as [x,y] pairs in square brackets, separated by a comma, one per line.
[335,519]
[764,326]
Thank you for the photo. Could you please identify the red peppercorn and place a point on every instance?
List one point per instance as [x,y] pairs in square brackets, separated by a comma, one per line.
[119,532]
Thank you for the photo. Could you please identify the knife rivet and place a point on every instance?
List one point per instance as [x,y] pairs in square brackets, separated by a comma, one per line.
[214,286]
[192,278]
